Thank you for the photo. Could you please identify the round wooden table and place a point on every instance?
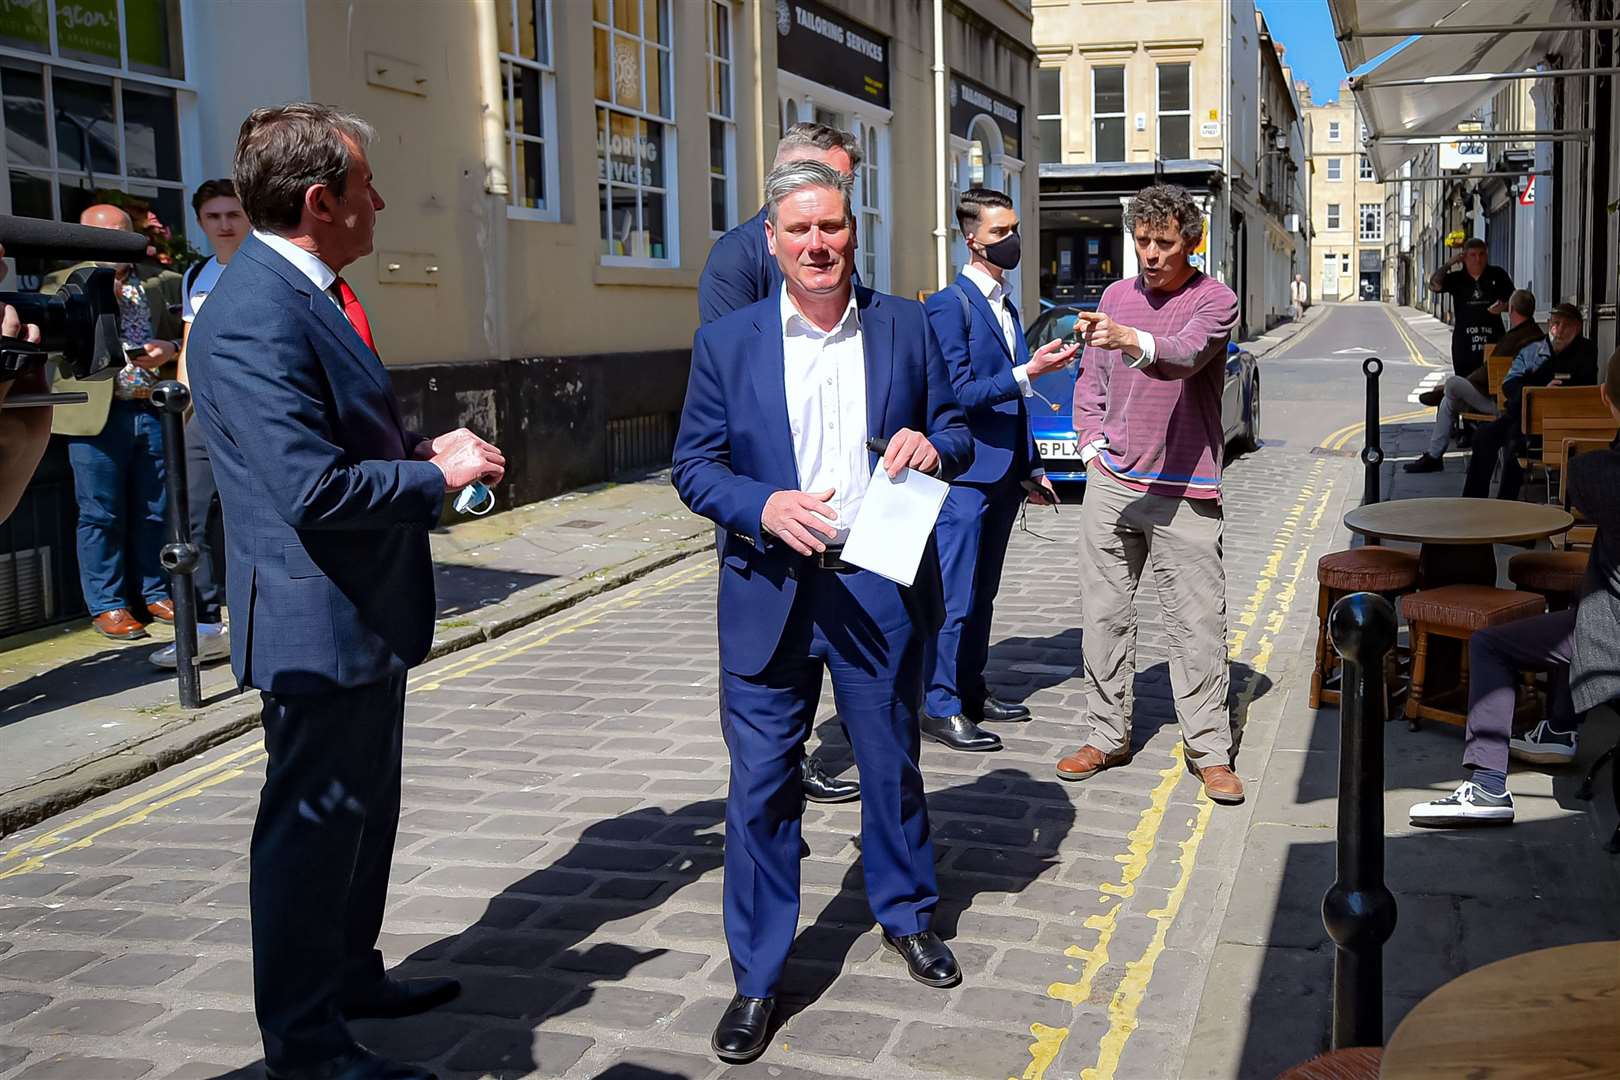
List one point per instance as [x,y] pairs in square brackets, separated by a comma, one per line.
[1550,1013]
[1457,534]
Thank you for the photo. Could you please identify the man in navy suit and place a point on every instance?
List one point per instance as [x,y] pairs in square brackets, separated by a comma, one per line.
[991,369]
[772,447]
[741,271]
[327,500]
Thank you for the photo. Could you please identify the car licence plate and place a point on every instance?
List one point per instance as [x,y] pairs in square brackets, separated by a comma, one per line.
[1060,449]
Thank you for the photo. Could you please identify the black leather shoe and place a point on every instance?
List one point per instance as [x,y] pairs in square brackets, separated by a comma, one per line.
[743,1030]
[929,959]
[959,733]
[819,787]
[994,709]
[357,1064]
[390,998]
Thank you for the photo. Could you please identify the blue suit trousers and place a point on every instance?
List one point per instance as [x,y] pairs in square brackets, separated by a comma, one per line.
[855,626]
[973,530]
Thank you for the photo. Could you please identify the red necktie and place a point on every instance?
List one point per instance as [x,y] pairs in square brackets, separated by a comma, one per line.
[355,313]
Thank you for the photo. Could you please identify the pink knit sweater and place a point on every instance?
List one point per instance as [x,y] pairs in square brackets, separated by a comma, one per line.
[1162,422]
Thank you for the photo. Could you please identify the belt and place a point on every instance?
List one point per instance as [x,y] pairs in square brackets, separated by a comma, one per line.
[833,559]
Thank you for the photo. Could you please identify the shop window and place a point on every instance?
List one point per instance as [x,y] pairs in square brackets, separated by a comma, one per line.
[635,131]
[529,88]
[1108,113]
[722,119]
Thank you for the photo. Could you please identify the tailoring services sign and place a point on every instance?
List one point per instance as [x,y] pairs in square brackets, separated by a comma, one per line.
[825,47]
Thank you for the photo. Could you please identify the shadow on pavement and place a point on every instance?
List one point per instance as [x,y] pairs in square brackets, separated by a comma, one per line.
[461,589]
[526,960]
[108,674]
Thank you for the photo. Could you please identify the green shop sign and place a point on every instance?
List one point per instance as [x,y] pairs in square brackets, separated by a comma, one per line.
[25,23]
[88,28]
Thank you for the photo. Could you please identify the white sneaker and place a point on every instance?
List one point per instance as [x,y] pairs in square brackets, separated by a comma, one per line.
[1468,805]
[213,643]
[1541,745]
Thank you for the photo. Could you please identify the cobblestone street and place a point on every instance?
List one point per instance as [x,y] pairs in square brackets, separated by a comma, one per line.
[559,852]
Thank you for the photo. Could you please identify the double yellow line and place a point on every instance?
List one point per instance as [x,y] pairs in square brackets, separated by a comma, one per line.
[1406,336]
[1347,434]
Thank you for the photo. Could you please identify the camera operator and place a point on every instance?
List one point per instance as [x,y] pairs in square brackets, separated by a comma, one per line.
[115,446]
[24,433]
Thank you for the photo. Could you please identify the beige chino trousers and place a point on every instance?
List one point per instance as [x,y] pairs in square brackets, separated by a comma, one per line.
[1122,532]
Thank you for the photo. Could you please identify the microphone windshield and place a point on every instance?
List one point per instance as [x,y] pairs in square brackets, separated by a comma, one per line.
[26,237]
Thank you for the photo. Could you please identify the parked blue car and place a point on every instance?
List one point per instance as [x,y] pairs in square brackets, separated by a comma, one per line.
[1051,412]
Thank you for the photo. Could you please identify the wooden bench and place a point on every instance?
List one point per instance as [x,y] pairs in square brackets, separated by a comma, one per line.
[1496,369]
[1580,537]
[1555,413]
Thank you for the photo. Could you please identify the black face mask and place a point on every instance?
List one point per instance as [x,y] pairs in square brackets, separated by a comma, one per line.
[1005,252]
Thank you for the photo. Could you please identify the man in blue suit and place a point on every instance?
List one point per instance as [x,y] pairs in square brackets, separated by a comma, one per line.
[991,369]
[327,501]
[783,397]
[741,271]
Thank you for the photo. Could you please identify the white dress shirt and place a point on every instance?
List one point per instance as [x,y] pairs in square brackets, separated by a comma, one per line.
[825,379]
[995,293]
[307,262]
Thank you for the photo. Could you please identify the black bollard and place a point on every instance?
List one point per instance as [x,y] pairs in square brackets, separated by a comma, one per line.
[1358,911]
[1372,453]
[179,555]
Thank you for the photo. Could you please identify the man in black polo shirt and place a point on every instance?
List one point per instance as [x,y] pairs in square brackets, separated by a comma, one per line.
[1479,294]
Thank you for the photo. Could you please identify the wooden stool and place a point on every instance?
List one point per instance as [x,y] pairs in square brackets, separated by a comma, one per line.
[1556,575]
[1366,569]
[1351,1063]
[1455,612]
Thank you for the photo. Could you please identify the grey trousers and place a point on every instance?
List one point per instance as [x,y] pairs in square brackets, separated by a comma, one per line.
[1495,658]
[1121,533]
[1461,396]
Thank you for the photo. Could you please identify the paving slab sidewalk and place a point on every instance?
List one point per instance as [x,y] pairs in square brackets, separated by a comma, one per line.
[1465,898]
[80,715]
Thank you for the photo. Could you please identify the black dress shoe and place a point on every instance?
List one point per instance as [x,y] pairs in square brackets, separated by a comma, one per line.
[819,787]
[929,959]
[357,1064]
[959,733]
[743,1030]
[995,709]
[389,998]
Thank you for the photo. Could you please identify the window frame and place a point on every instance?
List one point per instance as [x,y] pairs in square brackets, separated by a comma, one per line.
[1364,169]
[1123,115]
[1335,170]
[724,113]
[1041,118]
[670,139]
[1335,131]
[551,210]
[1335,215]
[1363,210]
[1158,103]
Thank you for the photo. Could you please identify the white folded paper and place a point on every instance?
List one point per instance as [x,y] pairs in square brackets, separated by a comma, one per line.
[894,523]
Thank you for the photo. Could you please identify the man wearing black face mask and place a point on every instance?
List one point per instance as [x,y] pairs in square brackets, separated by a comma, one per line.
[990,368]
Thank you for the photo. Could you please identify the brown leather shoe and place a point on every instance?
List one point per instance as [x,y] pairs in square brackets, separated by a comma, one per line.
[1088,761]
[1220,783]
[119,625]
[161,610]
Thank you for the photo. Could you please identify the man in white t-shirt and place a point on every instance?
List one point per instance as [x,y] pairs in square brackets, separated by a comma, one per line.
[220,215]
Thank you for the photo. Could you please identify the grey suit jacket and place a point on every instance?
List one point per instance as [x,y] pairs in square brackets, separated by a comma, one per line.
[1594,488]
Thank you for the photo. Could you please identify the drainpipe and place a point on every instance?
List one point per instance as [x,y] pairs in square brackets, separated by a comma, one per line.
[942,135]
[1224,224]
[491,130]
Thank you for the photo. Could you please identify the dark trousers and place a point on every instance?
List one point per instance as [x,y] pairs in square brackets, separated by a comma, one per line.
[322,846]
[118,483]
[974,526]
[1497,439]
[1496,656]
[207,527]
[857,627]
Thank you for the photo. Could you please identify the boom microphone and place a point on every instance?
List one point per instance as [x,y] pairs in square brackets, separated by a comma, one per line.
[26,237]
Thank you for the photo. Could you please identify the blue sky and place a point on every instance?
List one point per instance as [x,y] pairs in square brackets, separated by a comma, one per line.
[1305,27]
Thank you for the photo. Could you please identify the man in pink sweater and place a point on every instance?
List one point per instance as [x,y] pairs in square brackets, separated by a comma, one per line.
[1147,409]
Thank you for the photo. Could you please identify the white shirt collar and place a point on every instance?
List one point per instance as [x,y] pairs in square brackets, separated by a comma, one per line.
[993,290]
[307,263]
[794,321]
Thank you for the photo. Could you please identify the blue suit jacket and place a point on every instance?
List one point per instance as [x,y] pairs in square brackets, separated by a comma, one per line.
[740,271]
[733,451]
[330,580]
[981,370]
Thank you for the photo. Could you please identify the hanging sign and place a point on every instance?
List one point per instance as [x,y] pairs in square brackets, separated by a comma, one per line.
[969,100]
[824,46]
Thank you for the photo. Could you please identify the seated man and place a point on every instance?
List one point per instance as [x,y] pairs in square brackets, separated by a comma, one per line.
[1565,356]
[1472,392]
[1579,649]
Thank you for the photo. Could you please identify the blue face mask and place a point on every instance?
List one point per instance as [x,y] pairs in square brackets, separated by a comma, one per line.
[475,499]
